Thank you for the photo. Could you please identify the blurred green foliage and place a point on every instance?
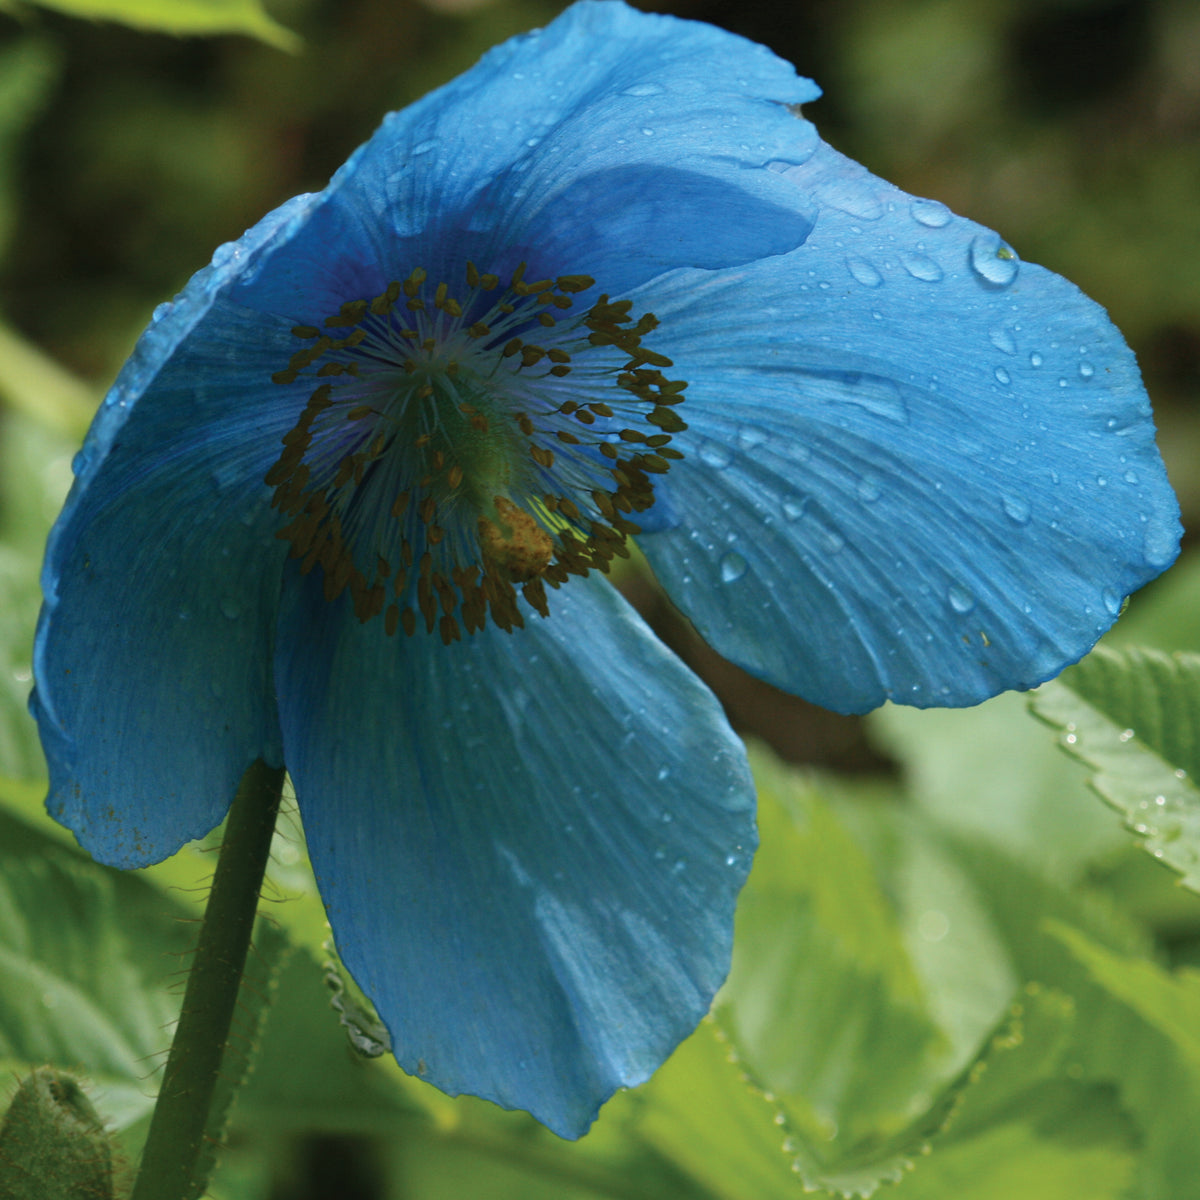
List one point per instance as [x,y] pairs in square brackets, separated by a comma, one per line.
[955,972]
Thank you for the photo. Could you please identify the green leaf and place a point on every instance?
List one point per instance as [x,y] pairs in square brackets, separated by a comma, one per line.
[1133,717]
[1138,1032]
[20,597]
[1170,1002]
[87,962]
[183,17]
[989,773]
[824,1067]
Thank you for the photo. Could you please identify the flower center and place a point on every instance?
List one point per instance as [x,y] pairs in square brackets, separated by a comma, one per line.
[457,449]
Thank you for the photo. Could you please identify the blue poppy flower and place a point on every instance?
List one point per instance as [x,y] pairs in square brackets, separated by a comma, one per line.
[350,503]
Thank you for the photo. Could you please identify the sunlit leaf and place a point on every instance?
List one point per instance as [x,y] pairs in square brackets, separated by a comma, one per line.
[1133,717]
[986,772]
[824,1067]
[183,17]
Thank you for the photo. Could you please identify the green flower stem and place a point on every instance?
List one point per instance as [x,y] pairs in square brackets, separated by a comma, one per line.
[177,1128]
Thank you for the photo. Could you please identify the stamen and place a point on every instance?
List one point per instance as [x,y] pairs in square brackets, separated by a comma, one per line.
[430,442]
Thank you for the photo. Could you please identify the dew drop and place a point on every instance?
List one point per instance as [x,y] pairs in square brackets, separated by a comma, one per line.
[1112,601]
[960,599]
[1126,735]
[1016,508]
[1160,542]
[1086,370]
[733,566]
[161,311]
[647,132]
[226,253]
[863,271]
[1130,477]
[664,773]
[716,455]
[1002,376]
[794,507]
[422,148]
[932,213]
[1001,337]
[868,489]
[863,205]
[921,266]
[994,263]
[752,436]
[831,541]
[1035,359]
[643,89]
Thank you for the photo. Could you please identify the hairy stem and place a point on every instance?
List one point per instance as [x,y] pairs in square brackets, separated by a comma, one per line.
[177,1127]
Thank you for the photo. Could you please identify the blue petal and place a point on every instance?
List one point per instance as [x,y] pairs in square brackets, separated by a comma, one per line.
[161,582]
[613,142]
[529,845]
[916,469]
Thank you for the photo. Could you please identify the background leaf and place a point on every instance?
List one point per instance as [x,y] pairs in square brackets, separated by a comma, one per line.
[183,16]
[1133,717]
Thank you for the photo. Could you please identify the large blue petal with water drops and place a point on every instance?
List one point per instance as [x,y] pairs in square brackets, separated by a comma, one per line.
[612,143]
[529,845]
[916,468]
[161,582]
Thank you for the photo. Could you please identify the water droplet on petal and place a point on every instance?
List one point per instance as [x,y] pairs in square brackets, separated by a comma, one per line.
[716,455]
[647,132]
[994,263]
[1160,542]
[1035,359]
[863,271]
[643,89]
[1017,509]
[1112,601]
[793,508]
[161,311]
[866,206]
[422,148]
[733,567]
[1130,477]
[921,266]
[932,213]
[1086,370]
[751,436]
[663,774]
[225,253]
[868,489]
[831,541]
[960,599]
[1002,338]
[1002,376]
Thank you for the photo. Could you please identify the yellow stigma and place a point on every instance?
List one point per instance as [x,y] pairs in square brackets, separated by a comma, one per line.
[515,542]
[447,459]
